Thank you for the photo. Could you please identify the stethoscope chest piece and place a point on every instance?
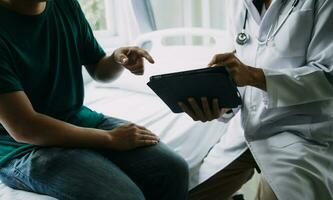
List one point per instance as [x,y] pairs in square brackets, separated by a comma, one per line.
[242,38]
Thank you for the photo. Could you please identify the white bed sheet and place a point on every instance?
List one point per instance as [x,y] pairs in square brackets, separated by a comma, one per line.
[7,193]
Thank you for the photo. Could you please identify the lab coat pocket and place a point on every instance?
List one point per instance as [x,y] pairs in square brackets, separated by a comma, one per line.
[284,139]
[294,36]
[290,131]
[322,131]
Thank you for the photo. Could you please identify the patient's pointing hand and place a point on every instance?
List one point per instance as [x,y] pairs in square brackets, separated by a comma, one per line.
[206,112]
[132,59]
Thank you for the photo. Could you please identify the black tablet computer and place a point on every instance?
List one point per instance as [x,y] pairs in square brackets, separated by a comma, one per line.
[213,82]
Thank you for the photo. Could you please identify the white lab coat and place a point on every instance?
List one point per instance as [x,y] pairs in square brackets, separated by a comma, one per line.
[289,128]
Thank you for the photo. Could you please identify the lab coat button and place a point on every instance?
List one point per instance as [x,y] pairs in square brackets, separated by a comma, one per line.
[253,108]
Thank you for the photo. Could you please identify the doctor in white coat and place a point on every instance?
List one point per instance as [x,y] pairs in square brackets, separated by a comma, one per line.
[284,61]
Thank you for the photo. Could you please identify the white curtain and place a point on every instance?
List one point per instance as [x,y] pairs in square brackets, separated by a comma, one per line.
[137,18]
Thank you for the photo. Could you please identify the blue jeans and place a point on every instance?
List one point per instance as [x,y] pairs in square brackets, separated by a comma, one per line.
[153,172]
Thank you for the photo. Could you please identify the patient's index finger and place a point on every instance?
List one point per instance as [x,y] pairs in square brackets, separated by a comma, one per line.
[146,55]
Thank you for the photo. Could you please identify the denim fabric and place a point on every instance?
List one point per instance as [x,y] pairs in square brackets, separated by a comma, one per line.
[153,172]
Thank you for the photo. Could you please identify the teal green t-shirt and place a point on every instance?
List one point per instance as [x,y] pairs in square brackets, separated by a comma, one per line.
[43,55]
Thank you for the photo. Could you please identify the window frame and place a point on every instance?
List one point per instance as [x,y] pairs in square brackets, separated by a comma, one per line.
[115,33]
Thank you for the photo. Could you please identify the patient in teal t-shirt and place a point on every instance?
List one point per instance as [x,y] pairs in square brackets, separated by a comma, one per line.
[49,142]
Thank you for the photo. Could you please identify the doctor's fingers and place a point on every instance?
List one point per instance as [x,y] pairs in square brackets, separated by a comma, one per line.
[216,109]
[220,59]
[187,110]
[232,64]
[199,113]
[207,109]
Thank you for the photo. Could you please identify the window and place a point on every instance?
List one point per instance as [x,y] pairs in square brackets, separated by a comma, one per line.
[112,25]
[95,13]
[190,13]
[101,15]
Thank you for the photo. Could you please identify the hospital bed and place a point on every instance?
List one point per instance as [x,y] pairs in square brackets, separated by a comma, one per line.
[129,98]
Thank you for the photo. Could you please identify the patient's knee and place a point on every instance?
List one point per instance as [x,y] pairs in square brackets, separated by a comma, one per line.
[175,175]
[173,166]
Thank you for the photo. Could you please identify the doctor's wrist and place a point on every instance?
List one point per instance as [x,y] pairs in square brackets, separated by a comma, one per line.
[258,78]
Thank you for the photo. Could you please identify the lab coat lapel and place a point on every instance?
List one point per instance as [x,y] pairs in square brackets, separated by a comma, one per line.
[253,12]
[263,25]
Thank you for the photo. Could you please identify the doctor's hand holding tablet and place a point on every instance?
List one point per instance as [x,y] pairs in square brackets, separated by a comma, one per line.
[213,87]
[241,74]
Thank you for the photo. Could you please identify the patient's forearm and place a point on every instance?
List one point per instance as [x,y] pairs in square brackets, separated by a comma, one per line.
[42,130]
[105,70]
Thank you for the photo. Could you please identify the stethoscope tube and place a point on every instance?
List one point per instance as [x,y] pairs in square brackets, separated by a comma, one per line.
[243,37]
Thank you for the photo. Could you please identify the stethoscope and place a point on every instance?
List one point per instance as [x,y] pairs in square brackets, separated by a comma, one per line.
[243,37]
